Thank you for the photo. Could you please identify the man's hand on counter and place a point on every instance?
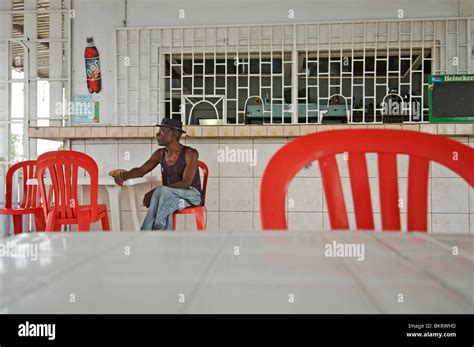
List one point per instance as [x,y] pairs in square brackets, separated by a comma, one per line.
[120,178]
[119,175]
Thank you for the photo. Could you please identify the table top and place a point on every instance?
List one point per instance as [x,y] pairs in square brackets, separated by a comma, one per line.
[104,181]
[238,272]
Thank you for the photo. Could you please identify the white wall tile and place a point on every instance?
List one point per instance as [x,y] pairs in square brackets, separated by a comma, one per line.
[351,220]
[462,139]
[127,220]
[94,226]
[438,170]
[471,199]
[256,195]
[375,194]
[133,155]
[403,193]
[181,222]
[106,156]
[306,195]
[450,223]
[348,199]
[196,141]
[402,165]
[212,221]
[403,221]
[236,194]
[140,191]
[377,221]
[102,196]
[342,165]
[208,154]
[212,194]
[450,195]
[372,164]
[236,169]
[265,152]
[310,170]
[102,142]
[257,221]
[471,221]
[238,221]
[137,141]
[78,145]
[282,140]
[305,220]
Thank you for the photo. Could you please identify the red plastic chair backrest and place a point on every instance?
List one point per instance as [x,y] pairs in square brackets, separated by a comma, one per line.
[63,168]
[205,171]
[30,192]
[420,147]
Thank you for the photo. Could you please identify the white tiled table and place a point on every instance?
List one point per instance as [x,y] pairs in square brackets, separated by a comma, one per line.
[113,191]
[150,272]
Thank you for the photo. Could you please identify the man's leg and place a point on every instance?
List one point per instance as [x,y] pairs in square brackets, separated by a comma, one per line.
[152,210]
[171,200]
[164,202]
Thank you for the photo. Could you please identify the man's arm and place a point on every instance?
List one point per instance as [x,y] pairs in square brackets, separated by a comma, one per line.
[141,171]
[191,160]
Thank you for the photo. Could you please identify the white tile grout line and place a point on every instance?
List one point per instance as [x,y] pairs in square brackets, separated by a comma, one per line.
[445,246]
[427,272]
[193,291]
[360,282]
[56,276]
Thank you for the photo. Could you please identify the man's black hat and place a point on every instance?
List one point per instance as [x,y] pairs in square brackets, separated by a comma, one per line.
[172,124]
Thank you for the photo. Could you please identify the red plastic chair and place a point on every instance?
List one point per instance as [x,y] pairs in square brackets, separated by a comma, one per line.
[30,202]
[421,148]
[198,211]
[63,167]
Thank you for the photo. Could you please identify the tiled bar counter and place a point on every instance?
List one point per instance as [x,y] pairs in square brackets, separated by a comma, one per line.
[233,191]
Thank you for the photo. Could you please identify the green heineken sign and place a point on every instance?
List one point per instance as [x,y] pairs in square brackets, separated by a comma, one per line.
[451,98]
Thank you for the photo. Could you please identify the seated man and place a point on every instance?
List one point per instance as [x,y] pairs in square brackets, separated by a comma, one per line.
[181,183]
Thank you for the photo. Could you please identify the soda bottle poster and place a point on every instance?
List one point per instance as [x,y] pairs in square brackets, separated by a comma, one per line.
[93,75]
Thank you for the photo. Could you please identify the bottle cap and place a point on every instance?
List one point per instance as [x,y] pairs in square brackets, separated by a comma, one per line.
[90,39]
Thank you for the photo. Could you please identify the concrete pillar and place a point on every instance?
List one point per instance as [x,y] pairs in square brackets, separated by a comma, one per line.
[6,19]
[6,24]
[55,61]
[67,63]
[31,73]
